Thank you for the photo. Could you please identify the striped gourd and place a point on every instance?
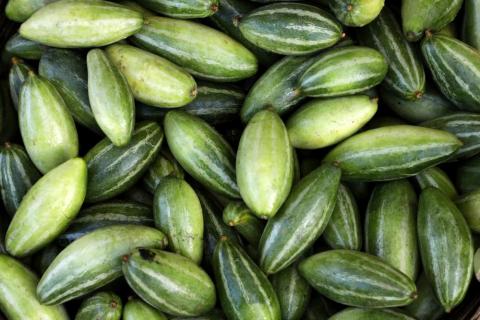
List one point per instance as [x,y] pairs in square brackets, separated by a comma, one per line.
[356,13]
[107,214]
[392,207]
[465,126]
[202,152]
[344,229]
[244,290]
[419,16]
[67,70]
[102,305]
[291,28]
[468,175]
[113,170]
[446,247]
[323,122]
[432,104]
[405,76]
[80,24]
[227,19]
[331,73]
[21,10]
[183,9]
[153,79]
[110,97]
[293,292]
[165,165]
[203,51]
[41,112]
[237,215]
[170,282]
[18,300]
[301,220]
[426,306]
[52,202]
[17,76]
[44,257]
[18,46]
[392,152]
[17,175]
[264,164]
[357,279]
[469,205]
[178,213]
[471,23]
[369,314]
[476,264]
[72,275]
[136,309]
[276,88]
[136,6]
[436,177]
[455,67]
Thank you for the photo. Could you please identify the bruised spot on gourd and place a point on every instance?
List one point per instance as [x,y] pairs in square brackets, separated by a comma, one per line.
[146,254]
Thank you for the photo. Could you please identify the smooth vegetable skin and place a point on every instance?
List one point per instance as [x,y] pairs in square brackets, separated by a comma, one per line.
[468,175]
[471,23]
[103,305]
[446,247]
[356,13]
[16,77]
[426,306]
[52,202]
[18,300]
[80,24]
[392,152]
[183,9]
[469,205]
[369,314]
[357,279]
[21,10]
[436,177]
[136,309]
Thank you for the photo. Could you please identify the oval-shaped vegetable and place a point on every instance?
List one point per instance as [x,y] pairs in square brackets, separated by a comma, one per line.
[183,9]
[392,152]
[291,28]
[369,314]
[293,293]
[432,104]
[277,88]
[392,207]
[102,305]
[112,101]
[455,67]
[152,79]
[331,73]
[178,214]
[163,167]
[113,170]
[264,164]
[44,257]
[465,126]
[47,128]
[405,76]
[468,175]
[72,275]
[202,152]
[419,16]
[323,122]
[426,306]
[357,279]
[356,13]
[446,247]
[471,23]
[107,214]
[244,290]
[436,177]
[201,50]
[67,70]
[344,229]
[169,282]
[18,300]
[301,220]
[79,24]
[469,205]
[52,202]
[136,309]
[23,48]
[237,215]
[17,76]
[21,10]
[17,175]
